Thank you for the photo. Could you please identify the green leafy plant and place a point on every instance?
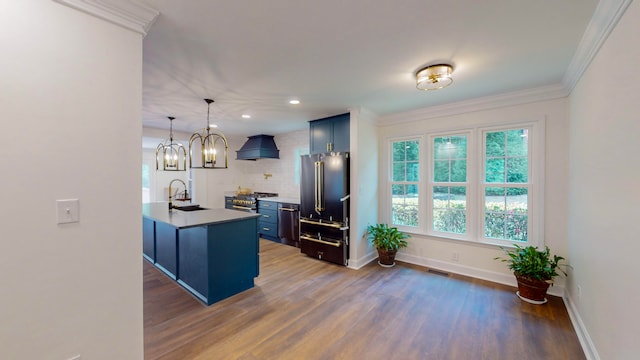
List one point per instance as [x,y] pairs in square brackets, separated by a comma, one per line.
[384,237]
[533,263]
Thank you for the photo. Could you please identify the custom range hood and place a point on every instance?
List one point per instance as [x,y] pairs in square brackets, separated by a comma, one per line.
[258,147]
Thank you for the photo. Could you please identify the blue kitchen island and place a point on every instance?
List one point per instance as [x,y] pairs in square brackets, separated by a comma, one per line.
[212,253]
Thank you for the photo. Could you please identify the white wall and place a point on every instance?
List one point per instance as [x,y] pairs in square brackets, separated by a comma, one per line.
[604,197]
[477,259]
[364,185]
[71,98]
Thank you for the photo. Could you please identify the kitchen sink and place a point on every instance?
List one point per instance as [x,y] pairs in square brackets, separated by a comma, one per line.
[189,208]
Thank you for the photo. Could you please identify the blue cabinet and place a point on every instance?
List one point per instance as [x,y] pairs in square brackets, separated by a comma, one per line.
[329,134]
[218,261]
[268,220]
[212,260]
[166,246]
[149,239]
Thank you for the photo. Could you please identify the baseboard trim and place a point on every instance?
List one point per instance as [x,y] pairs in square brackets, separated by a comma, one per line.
[500,278]
[359,263]
[588,347]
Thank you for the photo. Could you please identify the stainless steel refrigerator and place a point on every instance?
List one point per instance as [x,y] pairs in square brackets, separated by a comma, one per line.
[324,206]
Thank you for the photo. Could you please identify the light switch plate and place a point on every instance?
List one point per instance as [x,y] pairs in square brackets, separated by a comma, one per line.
[68,211]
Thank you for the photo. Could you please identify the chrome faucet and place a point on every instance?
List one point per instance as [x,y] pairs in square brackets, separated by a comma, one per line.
[186,193]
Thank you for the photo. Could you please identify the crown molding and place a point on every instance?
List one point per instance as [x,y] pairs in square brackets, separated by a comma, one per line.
[482,103]
[604,20]
[129,14]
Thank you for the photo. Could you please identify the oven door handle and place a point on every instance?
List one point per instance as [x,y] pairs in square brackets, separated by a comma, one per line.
[242,207]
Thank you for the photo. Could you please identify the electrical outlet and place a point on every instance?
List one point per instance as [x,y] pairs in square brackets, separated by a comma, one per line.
[455,256]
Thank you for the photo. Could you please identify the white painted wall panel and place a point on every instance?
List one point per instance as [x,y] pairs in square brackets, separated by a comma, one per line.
[604,200]
[71,100]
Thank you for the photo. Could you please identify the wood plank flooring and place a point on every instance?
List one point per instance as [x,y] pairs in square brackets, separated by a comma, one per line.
[302,308]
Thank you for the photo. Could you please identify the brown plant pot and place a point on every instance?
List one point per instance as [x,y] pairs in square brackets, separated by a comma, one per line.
[532,289]
[386,257]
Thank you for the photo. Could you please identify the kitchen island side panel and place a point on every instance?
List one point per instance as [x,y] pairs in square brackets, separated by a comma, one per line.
[233,260]
[166,248]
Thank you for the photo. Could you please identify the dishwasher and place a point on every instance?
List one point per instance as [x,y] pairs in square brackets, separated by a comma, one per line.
[289,224]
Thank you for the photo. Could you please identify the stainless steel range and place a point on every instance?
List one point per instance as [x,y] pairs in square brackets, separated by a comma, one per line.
[248,202]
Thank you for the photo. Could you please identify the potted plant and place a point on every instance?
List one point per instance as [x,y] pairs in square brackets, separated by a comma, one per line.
[387,241]
[534,271]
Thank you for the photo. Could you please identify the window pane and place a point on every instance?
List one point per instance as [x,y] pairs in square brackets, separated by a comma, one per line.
[506,213]
[412,150]
[399,150]
[517,142]
[441,171]
[458,170]
[517,170]
[449,159]
[404,205]
[495,170]
[413,169]
[495,143]
[450,209]
[399,171]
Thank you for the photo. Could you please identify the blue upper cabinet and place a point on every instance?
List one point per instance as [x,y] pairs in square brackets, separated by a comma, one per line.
[329,134]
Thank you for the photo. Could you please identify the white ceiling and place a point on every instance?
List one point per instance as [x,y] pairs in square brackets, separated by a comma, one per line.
[251,57]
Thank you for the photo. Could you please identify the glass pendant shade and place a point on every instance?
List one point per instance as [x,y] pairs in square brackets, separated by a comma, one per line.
[434,77]
[205,145]
[172,155]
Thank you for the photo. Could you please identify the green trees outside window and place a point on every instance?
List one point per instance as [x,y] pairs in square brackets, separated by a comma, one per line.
[404,186]
[506,190]
[449,190]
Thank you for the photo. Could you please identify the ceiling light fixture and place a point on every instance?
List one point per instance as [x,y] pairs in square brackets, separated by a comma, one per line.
[294,102]
[173,154]
[209,143]
[434,77]
[246,116]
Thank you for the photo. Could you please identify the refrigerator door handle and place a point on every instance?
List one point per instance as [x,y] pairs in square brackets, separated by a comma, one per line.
[319,185]
[330,243]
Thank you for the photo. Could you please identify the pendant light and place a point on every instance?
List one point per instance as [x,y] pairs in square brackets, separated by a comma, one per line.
[171,154]
[210,145]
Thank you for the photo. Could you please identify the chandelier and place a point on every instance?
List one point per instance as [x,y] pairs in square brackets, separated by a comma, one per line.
[208,145]
[171,154]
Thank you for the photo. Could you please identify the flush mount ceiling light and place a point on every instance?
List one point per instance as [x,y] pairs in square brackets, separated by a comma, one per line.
[172,154]
[434,77]
[209,144]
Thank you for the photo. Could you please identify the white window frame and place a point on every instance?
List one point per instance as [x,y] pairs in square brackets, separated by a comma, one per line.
[390,181]
[475,182]
[430,183]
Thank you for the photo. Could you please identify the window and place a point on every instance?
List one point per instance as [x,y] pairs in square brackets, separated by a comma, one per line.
[506,186]
[405,182]
[474,184]
[449,184]
[146,184]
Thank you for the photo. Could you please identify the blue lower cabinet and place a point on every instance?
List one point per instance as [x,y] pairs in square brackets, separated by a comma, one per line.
[193,261]
[218,261]
[149,239]
[166,248]
[268,220]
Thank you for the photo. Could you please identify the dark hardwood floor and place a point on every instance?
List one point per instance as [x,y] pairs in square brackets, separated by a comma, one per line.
[302,308]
